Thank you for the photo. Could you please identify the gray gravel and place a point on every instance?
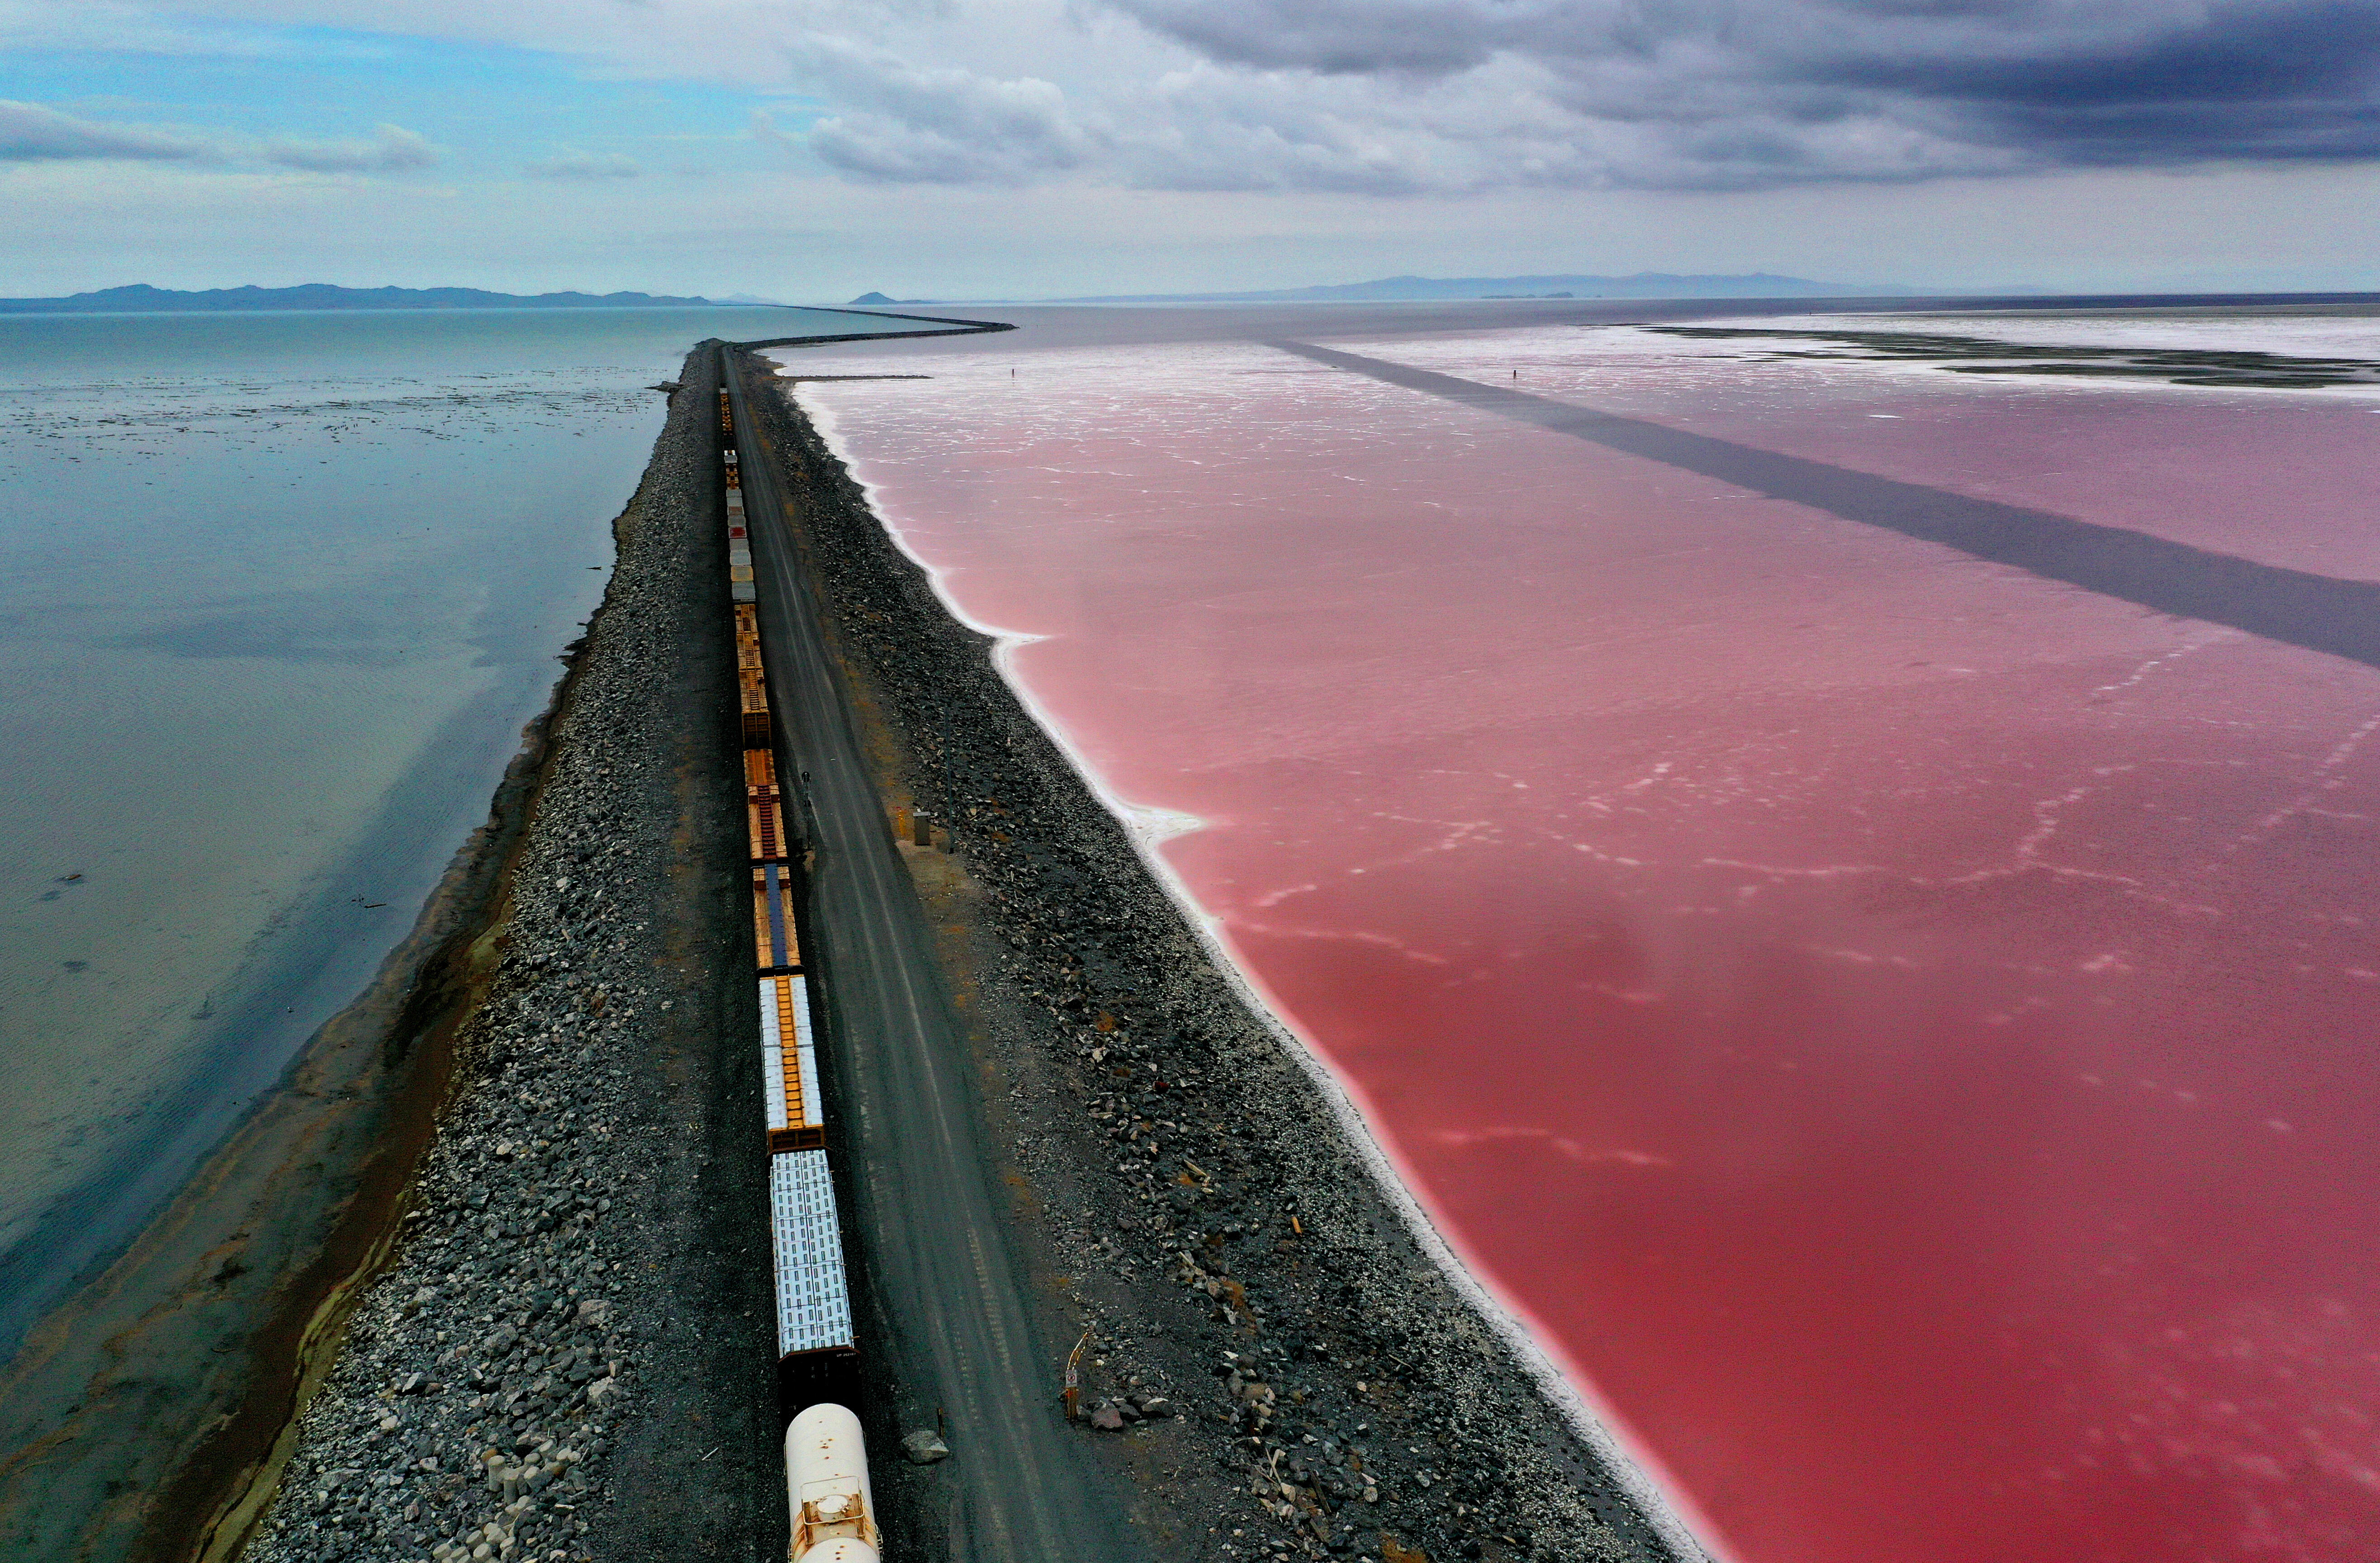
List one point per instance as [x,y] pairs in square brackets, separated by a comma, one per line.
[500,1386]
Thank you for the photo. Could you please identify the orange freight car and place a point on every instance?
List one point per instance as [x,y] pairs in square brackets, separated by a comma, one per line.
[776,942]
[765,823]
[755,694]
[789,1066]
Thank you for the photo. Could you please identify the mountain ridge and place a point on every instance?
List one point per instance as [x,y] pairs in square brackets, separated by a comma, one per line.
[139,297]
[1639,285]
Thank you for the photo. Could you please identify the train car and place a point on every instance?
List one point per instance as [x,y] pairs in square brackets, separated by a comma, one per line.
[753,690]
[765,823]
[817,1360]
[777,944]
[817,1356]
[827,1490]
[789,1066]
[764,808]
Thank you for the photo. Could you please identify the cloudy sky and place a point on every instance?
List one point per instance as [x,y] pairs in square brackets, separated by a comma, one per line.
[812,149]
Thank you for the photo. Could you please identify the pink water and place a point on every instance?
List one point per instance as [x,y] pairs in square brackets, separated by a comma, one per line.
[1899,1030]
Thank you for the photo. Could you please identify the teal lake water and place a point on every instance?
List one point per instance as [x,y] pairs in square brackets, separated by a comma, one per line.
[278,593]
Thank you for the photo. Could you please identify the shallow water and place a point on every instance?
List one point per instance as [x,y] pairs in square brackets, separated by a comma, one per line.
[277,594]
[1899,1028]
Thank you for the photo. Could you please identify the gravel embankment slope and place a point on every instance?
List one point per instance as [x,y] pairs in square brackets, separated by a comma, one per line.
[1195,1203]
[570,1355]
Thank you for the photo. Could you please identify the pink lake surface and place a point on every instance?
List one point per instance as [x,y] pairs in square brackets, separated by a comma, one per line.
[1899,1030]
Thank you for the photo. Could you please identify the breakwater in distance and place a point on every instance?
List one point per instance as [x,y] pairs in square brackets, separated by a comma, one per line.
[281,595]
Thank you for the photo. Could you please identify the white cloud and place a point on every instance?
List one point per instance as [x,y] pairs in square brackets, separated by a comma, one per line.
[31,133]
[940,125]
[36,133]
[391,150]
[571,164]
[103,26]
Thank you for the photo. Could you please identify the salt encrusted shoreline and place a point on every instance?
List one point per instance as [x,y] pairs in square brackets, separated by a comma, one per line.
[1357,1400]
[561,1287]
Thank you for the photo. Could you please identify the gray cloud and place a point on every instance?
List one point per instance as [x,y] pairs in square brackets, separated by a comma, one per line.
[908,124]
[1730,94]
[391,149]
[31,133]
[585,165]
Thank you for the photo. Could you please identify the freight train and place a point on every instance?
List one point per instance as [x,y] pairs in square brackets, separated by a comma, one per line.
[826,1457]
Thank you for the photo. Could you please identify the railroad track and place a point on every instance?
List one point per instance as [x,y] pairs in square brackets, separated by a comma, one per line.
[922,1221]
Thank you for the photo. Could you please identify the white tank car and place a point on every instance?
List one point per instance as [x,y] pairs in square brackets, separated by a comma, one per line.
[826,1485]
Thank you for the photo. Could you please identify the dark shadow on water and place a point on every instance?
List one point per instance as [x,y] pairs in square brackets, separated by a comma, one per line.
[2321,613]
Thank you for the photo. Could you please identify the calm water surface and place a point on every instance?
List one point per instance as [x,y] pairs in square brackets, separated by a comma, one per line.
[1900,1029]
[277,594]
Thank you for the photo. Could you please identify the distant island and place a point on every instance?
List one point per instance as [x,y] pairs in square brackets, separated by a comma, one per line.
[141,297]
[1642,285]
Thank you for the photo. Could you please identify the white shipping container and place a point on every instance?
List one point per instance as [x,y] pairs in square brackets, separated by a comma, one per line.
[813,1301]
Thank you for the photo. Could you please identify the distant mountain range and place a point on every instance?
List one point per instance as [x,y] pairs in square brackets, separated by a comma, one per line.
[1642,284]
[142,298]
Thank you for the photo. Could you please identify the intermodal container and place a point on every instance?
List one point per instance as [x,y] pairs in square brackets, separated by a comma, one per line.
[813,1299]
[815,1360]
[789,1066]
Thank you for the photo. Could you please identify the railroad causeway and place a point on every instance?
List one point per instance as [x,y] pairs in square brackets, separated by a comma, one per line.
[1052,1120]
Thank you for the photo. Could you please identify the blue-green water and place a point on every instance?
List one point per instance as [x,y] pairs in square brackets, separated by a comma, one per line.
[278,593]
